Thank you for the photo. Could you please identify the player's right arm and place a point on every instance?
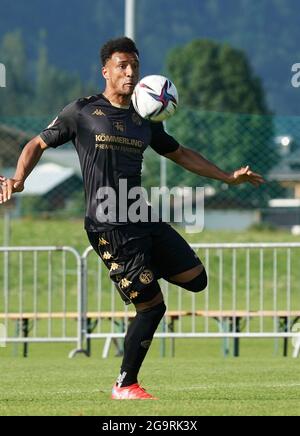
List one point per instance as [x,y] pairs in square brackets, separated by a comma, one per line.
[28,159]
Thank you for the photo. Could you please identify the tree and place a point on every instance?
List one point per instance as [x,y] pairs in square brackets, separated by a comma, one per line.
[36,87]
[18,93]
[54,88]
[223,113]
[215,77]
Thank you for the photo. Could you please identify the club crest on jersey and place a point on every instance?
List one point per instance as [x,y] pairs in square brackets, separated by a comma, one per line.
[119,126]
[146,277]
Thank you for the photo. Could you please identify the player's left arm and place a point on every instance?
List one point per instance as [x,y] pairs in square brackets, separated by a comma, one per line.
[196,163]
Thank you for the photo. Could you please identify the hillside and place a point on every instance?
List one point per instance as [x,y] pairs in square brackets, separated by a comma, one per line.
[267,30]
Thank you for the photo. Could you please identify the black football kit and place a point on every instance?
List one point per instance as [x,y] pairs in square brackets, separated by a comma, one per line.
[110,143]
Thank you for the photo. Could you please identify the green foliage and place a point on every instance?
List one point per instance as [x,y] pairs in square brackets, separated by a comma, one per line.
[34,206]
[267,30]
[223,115]
[67,200]
[35,87]
[18,92]
[215,77]
[230,141]
[76,204]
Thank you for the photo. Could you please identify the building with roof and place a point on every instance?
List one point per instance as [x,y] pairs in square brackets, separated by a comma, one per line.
[287,173]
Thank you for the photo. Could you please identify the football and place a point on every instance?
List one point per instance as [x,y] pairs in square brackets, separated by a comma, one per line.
[155,98]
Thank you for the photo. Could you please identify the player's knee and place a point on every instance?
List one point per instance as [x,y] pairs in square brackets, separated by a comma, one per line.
[198,284]
[150,297]
[156,312]
[153,309]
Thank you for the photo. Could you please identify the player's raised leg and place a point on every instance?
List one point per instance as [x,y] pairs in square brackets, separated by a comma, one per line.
[194,279]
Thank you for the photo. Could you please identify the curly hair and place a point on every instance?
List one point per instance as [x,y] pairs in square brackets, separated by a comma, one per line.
[122,45]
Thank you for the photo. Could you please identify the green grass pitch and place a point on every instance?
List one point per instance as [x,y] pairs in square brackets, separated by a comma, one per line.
[197,381]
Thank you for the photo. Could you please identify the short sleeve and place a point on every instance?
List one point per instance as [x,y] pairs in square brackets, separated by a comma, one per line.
[161,141]
[62,129]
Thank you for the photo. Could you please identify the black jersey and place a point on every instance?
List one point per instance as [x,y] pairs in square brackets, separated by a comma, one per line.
[110,143]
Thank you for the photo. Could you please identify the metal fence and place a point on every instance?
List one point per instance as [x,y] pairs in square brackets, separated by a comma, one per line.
[51,294]
[269,144]
[41,295]
[253,292]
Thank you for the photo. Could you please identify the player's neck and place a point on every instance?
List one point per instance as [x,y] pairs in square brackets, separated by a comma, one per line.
[121,101]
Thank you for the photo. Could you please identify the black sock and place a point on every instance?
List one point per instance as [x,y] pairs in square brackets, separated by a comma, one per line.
[137,342]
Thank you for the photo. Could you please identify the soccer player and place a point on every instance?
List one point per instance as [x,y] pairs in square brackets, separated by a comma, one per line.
[110,139]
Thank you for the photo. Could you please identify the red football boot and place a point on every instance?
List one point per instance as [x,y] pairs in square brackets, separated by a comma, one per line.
[132,392]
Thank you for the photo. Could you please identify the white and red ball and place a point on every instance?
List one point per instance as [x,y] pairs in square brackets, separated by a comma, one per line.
[155,98]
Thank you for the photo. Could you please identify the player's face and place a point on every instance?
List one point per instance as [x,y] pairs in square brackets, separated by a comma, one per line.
[121,73]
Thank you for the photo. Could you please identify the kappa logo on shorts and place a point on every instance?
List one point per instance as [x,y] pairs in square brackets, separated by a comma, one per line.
[146,277]
[107,255]
[124,283]
[133,295]
[114,266]
[102,241]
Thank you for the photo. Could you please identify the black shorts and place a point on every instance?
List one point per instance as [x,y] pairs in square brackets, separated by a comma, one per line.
[138,254]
